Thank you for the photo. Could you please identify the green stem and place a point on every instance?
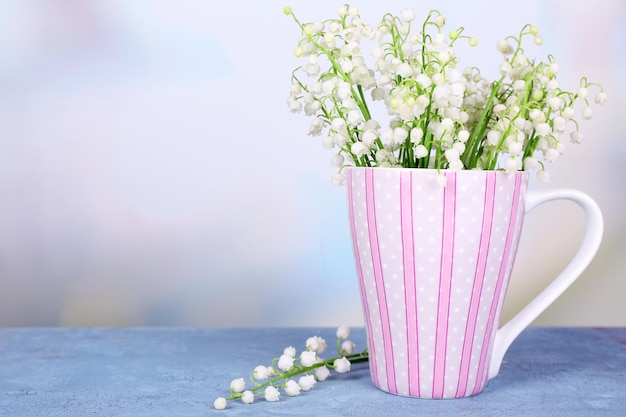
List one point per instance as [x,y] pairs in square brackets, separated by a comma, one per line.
[365,110]
[299,370]
[360,100]
[472,153]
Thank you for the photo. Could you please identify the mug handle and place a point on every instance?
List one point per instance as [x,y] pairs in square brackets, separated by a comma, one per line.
[591,242]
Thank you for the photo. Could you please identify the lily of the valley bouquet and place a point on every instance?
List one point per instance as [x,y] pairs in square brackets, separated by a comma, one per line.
[439,116]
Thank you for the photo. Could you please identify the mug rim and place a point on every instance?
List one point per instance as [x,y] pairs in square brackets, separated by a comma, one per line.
[473,171]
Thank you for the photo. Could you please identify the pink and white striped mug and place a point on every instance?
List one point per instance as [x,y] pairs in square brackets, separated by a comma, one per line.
[433,266]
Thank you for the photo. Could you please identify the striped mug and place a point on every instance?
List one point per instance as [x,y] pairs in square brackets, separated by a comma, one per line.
[433,266]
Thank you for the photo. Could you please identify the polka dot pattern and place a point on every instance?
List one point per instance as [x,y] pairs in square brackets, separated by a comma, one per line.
[433,266]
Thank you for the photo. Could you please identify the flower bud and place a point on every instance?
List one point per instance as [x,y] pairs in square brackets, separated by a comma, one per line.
[285,363]
[512,164]
[543,176]
[420,151]
[343,332]
[219,403]
[600,97]
[290,351]
[407,15]
[504,47]
[247,397]
[347,347]
[337,160]
[576,136]
[260,372]
[271,394]
[238,385]
[530,163]
[308,358]
[341,365]
[292,388]
[306,382]
[316,344]
[322,373]
[337,179]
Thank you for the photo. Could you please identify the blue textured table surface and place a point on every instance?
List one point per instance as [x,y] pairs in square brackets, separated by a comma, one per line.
[179,372]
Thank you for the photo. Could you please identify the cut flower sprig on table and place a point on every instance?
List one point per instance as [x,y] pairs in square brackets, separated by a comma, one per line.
[308,368]
[438,116]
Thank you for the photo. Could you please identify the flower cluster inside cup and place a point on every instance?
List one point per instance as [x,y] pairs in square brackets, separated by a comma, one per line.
[295,373]
[431,113]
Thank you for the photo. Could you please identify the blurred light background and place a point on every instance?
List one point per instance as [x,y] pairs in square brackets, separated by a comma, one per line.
[152,174]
